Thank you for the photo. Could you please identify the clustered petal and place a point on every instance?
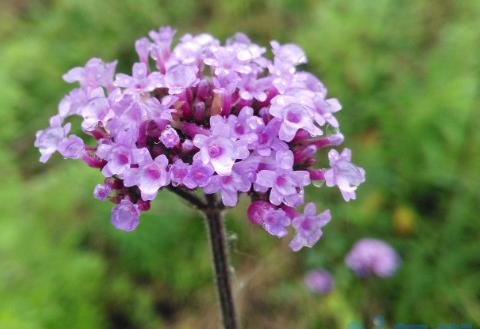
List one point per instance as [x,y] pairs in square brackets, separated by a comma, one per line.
[224,118]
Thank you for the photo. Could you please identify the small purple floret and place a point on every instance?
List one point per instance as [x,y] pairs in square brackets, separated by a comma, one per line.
[169,137]
[125,216]
[285,183]
[275,222]
[199,175]
[71,147]
[309,227]
[101,191]
[257,211]
[344,173]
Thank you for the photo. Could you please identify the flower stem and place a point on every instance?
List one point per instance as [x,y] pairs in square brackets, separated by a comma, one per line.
[189,197]
[218,243]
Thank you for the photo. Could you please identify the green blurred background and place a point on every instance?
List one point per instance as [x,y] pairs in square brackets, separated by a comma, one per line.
[407,73]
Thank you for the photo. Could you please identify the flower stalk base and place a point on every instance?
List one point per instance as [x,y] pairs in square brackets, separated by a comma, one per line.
[213,213]
[219,246]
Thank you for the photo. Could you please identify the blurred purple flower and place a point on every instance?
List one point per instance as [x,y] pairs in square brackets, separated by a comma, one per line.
[370,256]
[319,281]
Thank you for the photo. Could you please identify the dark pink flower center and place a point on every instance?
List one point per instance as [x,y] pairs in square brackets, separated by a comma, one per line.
[198,175]
[306,225]
[153,173]
[262,166]
[239,129]
[270,219]
[263,138]
[294,117]
[122,159]
[180,173]
[281,180]
[214,151]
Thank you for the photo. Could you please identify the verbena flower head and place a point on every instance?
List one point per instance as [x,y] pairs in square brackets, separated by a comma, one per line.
[225,119]
[319,281]
[370,256]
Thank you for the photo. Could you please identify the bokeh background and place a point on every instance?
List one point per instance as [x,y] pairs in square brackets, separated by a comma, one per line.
[407,74]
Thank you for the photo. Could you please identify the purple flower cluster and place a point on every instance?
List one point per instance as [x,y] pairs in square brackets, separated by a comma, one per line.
[371,256]
[319,281]
[223,118]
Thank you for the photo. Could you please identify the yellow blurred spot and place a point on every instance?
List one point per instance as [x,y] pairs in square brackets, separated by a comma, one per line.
[404,220]
[371,205]
[370,137]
